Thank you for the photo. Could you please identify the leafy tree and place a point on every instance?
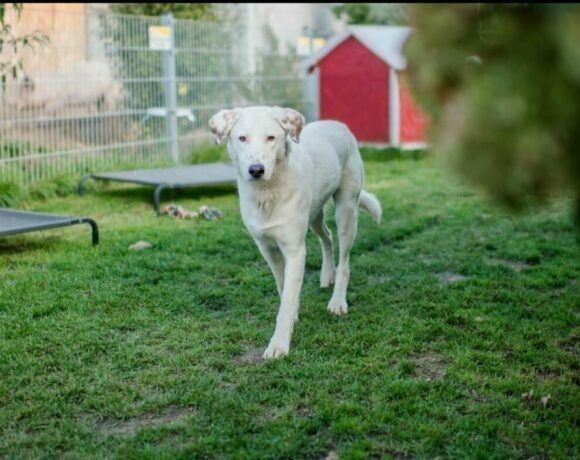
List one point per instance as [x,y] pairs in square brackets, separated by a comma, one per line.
[372,13]
[198,11]
[502,84]
[10,42]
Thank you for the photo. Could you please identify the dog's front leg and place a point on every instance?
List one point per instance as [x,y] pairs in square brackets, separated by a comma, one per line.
[295,258]
[275,260]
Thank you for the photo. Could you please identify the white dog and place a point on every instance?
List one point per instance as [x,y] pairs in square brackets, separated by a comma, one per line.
[285,175]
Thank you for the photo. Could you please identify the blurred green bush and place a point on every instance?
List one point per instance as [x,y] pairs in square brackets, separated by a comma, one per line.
[502,85]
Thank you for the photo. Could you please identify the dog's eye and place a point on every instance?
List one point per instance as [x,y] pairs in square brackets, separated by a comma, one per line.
[271,138]
[242,138]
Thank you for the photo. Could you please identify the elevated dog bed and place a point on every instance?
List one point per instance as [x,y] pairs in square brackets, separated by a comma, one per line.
[174,177]
[13,222]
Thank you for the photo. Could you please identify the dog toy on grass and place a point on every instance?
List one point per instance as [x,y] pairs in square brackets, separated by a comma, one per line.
[204,212]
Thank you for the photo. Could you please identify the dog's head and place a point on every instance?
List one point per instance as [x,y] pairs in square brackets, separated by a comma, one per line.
[257,137]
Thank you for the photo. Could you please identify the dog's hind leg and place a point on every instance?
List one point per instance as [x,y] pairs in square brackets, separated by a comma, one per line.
[275,260]
[346,221]
[327,271]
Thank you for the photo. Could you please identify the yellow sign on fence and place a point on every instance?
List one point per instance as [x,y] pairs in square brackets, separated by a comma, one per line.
[307,45]
[160,38]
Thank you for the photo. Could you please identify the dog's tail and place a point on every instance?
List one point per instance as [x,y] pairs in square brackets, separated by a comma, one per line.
[371,204]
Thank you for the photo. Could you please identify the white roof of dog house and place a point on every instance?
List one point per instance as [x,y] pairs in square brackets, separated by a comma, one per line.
[386,42]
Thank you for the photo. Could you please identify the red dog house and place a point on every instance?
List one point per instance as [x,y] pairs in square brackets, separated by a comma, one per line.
[358,78]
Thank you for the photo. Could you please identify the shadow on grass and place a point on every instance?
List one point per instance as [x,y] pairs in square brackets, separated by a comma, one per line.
[27,243]
[145,194]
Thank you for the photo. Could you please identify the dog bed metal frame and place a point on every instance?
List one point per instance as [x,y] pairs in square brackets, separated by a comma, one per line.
[14,221]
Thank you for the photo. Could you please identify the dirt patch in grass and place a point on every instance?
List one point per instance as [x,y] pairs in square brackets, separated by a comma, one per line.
[570,345]
[251,356]
[429,366]
[304,411]
[169,414]
[477,396]
[268,414]
[449,277]
[515,265]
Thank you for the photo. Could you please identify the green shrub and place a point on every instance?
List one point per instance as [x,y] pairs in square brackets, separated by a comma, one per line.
[14,195]
[501,84]
[390,154]
[208,153]
[11,194]
[15,149]
[57,186]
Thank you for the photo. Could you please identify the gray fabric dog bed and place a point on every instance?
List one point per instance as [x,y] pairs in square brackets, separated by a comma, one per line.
[174,177]
[13,222]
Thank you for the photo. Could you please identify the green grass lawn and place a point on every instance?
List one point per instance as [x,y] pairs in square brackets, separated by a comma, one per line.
[461,319]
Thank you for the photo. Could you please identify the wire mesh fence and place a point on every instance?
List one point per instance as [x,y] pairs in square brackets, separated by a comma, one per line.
[98,97]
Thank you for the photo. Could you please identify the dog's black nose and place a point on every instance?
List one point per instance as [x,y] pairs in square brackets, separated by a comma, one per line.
[256,170]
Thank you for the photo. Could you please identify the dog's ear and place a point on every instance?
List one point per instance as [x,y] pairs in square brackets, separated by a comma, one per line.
[222,123]
[291,121]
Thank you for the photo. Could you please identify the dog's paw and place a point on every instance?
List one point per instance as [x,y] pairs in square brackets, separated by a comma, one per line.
[338,306]
[326,278]
[276,350]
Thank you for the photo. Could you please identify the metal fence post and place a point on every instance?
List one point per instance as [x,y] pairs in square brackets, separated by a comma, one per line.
[169,75]
[230,68]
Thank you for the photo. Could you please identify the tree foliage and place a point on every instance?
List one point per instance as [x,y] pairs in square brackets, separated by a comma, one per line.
[10,42]
[502,84]
[372,13]
[197,11]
